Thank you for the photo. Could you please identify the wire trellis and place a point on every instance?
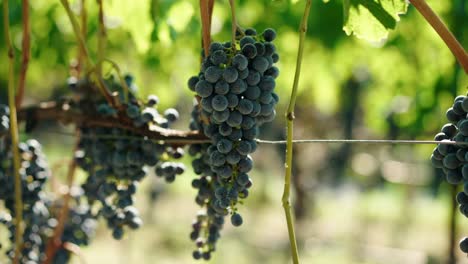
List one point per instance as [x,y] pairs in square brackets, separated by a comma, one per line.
[283,142]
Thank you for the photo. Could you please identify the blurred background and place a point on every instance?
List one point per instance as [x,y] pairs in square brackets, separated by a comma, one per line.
[353,203]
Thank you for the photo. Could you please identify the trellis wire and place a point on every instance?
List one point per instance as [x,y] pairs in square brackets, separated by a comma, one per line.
[282,142]
[364,141]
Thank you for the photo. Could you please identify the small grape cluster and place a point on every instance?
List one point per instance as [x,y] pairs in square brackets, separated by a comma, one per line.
[236,95]
[37,223]
[116,159]
[33,174]
[40,224]
[453,159]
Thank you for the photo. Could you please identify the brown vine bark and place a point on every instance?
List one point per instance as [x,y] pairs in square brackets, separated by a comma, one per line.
[65,115]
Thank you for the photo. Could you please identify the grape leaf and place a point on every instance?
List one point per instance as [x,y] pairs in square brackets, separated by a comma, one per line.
[372,19]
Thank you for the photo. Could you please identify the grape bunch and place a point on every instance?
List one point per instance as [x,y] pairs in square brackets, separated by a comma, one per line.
[116,159]
[208,223]
[37,224]
[453,159]
[40,224]
[33,173]
[235,89]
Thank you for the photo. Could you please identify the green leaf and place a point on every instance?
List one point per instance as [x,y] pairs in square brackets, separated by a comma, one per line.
[372,19]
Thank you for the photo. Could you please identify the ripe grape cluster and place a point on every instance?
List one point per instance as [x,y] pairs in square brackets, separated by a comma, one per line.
[116,160]
[37,205]
[33,168]
[236,95]
[33,173]
[40,224]
[453,159]
[37,224]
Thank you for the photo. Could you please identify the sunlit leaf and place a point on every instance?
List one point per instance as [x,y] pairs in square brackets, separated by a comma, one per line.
[372,19]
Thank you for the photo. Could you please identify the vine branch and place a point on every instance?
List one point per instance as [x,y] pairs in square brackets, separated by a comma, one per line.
[441,29]
[14,134]
[56,241]
[233,24]
[84,30]
[101,39]
[63,113]
[210,10]
[120,76]
[82,44]
[206,27]
[289,146]
[26,52]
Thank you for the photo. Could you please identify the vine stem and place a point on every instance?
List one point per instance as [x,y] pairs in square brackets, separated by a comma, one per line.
[63,113]
[289,145]
[119,75]
[84,30]
[206,28]
[76,29]
[56,241]
[233,24]
[14,135]
[26,52]
[88,63]
[441,29]
[210,11]
[101,39]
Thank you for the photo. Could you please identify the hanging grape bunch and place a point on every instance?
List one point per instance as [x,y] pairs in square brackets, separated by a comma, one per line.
[116,159]
[453,159]
[40,222]
[236,96]
[33,174]
[37,216]
[33,168]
